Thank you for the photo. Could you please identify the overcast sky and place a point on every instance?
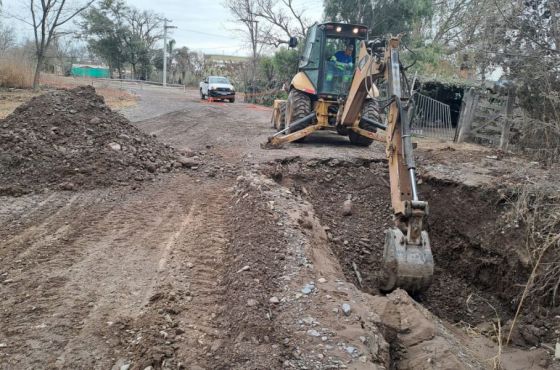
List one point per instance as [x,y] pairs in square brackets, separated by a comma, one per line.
[205,26]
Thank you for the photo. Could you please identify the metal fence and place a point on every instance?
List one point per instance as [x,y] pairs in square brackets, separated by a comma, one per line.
[431,118]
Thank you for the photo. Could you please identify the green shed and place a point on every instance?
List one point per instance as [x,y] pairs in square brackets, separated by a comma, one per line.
[92,71]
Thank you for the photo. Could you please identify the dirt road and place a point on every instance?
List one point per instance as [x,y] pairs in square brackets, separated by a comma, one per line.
[234,263]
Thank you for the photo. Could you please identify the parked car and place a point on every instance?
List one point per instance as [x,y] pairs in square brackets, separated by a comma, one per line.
[217,88]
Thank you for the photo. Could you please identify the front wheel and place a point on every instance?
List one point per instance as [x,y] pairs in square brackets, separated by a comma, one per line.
[297,107]
[202,95]
[232,100]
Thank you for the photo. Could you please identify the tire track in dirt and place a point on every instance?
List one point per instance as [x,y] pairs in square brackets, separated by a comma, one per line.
[177,325]
[90,267]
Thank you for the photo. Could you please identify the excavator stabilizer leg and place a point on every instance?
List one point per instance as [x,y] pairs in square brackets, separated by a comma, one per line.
[405,265]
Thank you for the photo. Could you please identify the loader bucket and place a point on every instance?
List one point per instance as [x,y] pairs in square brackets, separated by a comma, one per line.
[406,266]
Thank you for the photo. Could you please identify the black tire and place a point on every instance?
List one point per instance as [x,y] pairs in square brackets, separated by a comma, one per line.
[232,100]
[371,111]
[297,107]
[342,130]
[201,95]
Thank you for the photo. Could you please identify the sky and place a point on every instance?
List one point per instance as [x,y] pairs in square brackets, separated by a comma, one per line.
[204,26]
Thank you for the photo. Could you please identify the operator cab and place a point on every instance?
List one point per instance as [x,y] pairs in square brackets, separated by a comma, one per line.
[329,57]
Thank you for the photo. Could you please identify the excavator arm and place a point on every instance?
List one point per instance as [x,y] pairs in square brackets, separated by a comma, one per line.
[407,258]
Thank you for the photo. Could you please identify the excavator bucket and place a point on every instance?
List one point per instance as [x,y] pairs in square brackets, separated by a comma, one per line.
[406,266]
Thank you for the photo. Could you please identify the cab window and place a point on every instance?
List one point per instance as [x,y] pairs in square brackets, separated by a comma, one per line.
[310,57]
[339,60]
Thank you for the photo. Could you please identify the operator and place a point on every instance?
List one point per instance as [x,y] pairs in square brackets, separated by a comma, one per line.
[340,67]
[344,56]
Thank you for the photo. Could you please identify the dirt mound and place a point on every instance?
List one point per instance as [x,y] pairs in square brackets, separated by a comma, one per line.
[70,139]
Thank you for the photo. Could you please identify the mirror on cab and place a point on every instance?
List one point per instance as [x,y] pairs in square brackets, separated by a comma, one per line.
[293,42]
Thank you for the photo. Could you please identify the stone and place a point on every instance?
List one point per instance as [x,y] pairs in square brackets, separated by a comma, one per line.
[244,268]
[308,320]
[67,186]
[252,302]
[188,153]
[346,309]
[95,121]
[308,288]
[322,280]
[347,207]
[313,333]
[115,146]
[274,300]
[188,162]
[350,350]
[150,167]
[125,367]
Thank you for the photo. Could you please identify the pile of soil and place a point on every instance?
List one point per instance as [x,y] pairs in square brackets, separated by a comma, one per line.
[70,139]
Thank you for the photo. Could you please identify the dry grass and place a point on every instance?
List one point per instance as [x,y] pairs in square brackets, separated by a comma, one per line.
[15,74]
[540,140]
[537,209]
[115,97]
[10,100]
[496,326]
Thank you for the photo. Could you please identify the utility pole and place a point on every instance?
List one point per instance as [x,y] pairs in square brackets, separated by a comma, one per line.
[165,27]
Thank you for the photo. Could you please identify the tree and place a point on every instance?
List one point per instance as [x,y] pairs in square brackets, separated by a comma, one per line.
[527,48]
[285,63]
[245,12]
[48,16]
[183,58]
[120,34]
[104,28]
[383,16]
[144,29]
[7,39]
[283,21]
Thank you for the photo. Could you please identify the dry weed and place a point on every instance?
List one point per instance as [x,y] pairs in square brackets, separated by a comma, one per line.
[537,209]
[497,326]
[15,73]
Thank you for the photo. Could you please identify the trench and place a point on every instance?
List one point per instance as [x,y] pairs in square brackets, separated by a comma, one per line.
[479,272]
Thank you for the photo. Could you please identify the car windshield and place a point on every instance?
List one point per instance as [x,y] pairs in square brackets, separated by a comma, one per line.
[219,80]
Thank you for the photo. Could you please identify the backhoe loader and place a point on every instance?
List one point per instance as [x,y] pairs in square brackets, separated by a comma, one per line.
[324,96]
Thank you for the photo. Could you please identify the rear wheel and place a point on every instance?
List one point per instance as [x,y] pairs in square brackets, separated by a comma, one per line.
[370,110]
[297,107]
[232,100]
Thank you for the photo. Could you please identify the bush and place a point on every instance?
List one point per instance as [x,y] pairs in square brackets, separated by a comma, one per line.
[15,73]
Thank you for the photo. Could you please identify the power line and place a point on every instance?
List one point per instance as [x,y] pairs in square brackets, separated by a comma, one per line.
[204,33]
